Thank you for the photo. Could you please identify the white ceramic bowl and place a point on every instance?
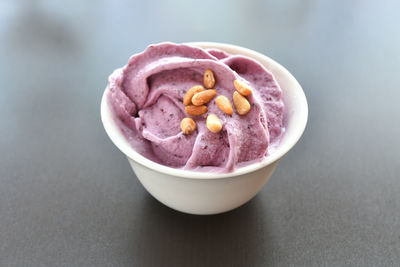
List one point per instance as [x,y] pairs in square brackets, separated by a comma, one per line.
[205,193]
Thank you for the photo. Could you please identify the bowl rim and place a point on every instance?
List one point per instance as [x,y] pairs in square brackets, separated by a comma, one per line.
[123,145]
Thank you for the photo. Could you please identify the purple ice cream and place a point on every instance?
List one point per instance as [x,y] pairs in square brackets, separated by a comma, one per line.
[146,96]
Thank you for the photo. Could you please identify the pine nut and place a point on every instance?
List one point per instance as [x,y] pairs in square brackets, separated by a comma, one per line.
[188,125]
[242,106]
[224,104]
[213,123]
[242,88]
[209,79]
[195,110]
[187,100]
[203,97]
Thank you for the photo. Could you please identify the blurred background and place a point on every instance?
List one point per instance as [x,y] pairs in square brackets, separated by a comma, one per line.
[69,198]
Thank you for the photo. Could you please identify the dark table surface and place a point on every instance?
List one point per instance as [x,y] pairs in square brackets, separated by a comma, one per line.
[68,197]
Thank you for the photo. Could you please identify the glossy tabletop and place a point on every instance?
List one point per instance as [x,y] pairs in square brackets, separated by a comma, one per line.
[68,196]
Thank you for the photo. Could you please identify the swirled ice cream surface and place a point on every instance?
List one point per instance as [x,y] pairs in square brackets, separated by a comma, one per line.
[145,98]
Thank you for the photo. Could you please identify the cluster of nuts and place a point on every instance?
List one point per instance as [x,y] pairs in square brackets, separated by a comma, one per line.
[197,97]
